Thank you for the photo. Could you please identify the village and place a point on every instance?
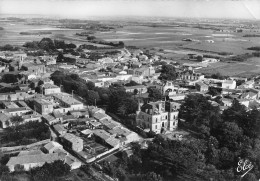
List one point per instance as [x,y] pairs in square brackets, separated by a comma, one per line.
[85,133]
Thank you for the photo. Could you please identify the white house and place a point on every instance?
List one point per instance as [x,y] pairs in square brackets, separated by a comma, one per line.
[229,84]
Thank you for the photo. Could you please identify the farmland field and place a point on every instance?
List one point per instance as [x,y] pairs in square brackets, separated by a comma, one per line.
[168,38]
[243,69]
[166,41]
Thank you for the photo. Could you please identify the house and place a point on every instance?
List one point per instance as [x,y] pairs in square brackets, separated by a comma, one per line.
[4,120]
[52,146]
[109,124]
[100,116]
[157,116]
[59,128]
[189,75]
[168,86]
[17,111]
[200,86]
[229,84]
[48,89]
[72,141]
[80,113]
[141,89]
[143,71]
[249,95]
[37,69]
[93,110]
[32,117]
[31,161]
[227,102]
[16,96]
[98,83]
[48,60]
[66,100]
[43,106]
[120,132]
[244,102]
[101,134]
[136,65]
[49,119]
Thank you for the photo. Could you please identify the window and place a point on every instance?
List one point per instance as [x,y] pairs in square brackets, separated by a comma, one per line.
[156,120]
[165,117]
[155,126]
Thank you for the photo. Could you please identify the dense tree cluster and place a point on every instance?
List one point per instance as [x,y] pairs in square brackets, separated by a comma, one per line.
[131,83]
[8,47]
[27,133]
[10,78]
[49,45]
[154,94]
[50,171]
[168,73]
[230,135]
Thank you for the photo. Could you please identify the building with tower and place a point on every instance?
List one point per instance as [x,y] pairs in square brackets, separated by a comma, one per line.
[157,116]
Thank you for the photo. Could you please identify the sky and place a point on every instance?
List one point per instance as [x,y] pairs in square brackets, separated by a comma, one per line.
[245,9]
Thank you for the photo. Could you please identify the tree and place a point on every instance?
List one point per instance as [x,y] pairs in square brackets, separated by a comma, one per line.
[197,111]
[71,45]
[217,76]
[10,78]
[131,83]
[251,123]
[151,176]
[92,97]
[127,106]
[236,113]
[135,91]
[42,175]
[40,83]
[90,85]
[199,58]
[226,158]
[155,94]
[60,57]
[249,177]
[19,168]
[3,169]
[46,44]
[16,120]
[229,135]
[58,168]
[168,73]
[32,85]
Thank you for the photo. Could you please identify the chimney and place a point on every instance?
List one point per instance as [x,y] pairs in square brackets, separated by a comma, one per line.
[160,107]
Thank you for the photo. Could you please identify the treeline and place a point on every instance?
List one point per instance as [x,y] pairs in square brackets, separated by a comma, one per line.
[85,33]
[36,33]
[119,44]
[8,47]
[93,47]
[254,48]
[49,45]
[251,35]
[116,99]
